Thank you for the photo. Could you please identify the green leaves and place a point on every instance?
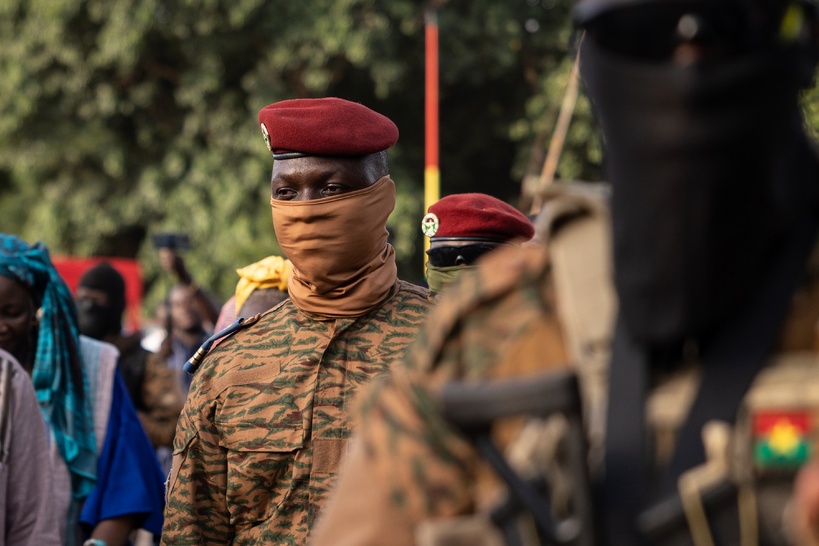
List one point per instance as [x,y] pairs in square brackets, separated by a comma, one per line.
[123,118]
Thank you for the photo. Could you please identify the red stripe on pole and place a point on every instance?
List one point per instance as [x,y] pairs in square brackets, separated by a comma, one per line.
[431,110]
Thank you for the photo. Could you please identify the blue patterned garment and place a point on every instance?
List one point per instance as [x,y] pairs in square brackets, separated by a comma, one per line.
[58,375]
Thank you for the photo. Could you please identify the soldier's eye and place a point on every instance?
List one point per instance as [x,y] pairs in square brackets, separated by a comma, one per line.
[333,189]
[284,194]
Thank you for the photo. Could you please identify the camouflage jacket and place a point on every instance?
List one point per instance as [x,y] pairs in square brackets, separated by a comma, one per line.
[408,466]
[266,421]
[499,320]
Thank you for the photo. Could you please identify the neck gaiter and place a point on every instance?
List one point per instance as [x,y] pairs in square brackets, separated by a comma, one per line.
[440,277]
[342,263]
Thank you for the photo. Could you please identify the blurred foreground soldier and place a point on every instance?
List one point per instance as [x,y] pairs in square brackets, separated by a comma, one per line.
[153,387]
[266,421]
[803,511]
[465,226]
[713,376]
[410,473]
[26,495]
[714,215]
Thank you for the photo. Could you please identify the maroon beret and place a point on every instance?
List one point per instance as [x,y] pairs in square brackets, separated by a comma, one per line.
[326,127]
[477,216]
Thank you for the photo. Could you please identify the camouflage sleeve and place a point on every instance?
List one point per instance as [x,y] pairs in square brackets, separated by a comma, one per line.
[196,509]
[426,465]
[499,322]
[163,399]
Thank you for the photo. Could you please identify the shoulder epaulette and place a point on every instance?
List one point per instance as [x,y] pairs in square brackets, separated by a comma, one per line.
[193,364]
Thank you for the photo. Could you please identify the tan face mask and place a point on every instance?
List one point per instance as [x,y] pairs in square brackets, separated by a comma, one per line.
[342,264]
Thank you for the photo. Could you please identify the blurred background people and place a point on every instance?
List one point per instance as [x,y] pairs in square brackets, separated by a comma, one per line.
[190,312]
[185,332]
[26,509]
[154,331]
[152,385]
[262,285]
[106,479]
[465,226]
[169,246]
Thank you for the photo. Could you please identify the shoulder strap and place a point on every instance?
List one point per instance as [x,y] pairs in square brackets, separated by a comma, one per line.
[574,223]
[193,363]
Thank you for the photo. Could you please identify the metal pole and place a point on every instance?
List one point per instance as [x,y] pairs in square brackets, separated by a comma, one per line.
[547,174]
[432,178]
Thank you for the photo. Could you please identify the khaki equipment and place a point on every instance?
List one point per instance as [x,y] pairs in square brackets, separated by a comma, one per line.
[745,483]
[473,409]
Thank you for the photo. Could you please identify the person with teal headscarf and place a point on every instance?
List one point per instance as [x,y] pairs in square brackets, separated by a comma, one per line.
[106,477]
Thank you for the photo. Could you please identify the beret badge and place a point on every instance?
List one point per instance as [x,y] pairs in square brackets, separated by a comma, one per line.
[430,224]
[266,137]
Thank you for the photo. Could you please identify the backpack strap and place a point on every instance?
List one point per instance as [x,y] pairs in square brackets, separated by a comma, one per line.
[575,226]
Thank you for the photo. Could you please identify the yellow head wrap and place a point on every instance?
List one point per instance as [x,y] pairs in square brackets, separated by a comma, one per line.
[271,272]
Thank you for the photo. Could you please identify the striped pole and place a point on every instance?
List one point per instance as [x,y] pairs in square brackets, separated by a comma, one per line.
[432,177]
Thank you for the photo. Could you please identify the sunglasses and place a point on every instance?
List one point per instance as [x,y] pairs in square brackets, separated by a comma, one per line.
[448,256]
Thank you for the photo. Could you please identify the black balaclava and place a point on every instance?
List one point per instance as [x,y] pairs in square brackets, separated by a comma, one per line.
[98,321]
[714,206]
[710,170]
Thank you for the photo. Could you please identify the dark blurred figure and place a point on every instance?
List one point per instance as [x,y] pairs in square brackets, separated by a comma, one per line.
[152,385]
[462,228]
[715,207]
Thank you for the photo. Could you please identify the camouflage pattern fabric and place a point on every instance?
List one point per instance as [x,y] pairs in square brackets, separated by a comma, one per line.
[408,466]
[497,321]
[266,421]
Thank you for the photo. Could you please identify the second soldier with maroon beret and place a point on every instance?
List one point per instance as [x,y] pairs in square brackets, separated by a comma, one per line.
[465,226]
[266,422]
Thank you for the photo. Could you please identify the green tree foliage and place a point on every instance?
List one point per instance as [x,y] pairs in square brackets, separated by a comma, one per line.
[121,118]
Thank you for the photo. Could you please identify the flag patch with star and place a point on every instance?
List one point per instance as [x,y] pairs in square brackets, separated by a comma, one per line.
[781,439]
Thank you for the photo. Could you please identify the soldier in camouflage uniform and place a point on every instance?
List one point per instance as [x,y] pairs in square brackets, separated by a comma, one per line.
[408,467]
[266,422]
[714,217]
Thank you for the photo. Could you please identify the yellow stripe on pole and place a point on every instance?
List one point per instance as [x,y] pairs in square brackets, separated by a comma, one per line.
[432,192]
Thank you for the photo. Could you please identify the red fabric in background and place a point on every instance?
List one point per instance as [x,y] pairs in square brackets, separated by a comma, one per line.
[72,268]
